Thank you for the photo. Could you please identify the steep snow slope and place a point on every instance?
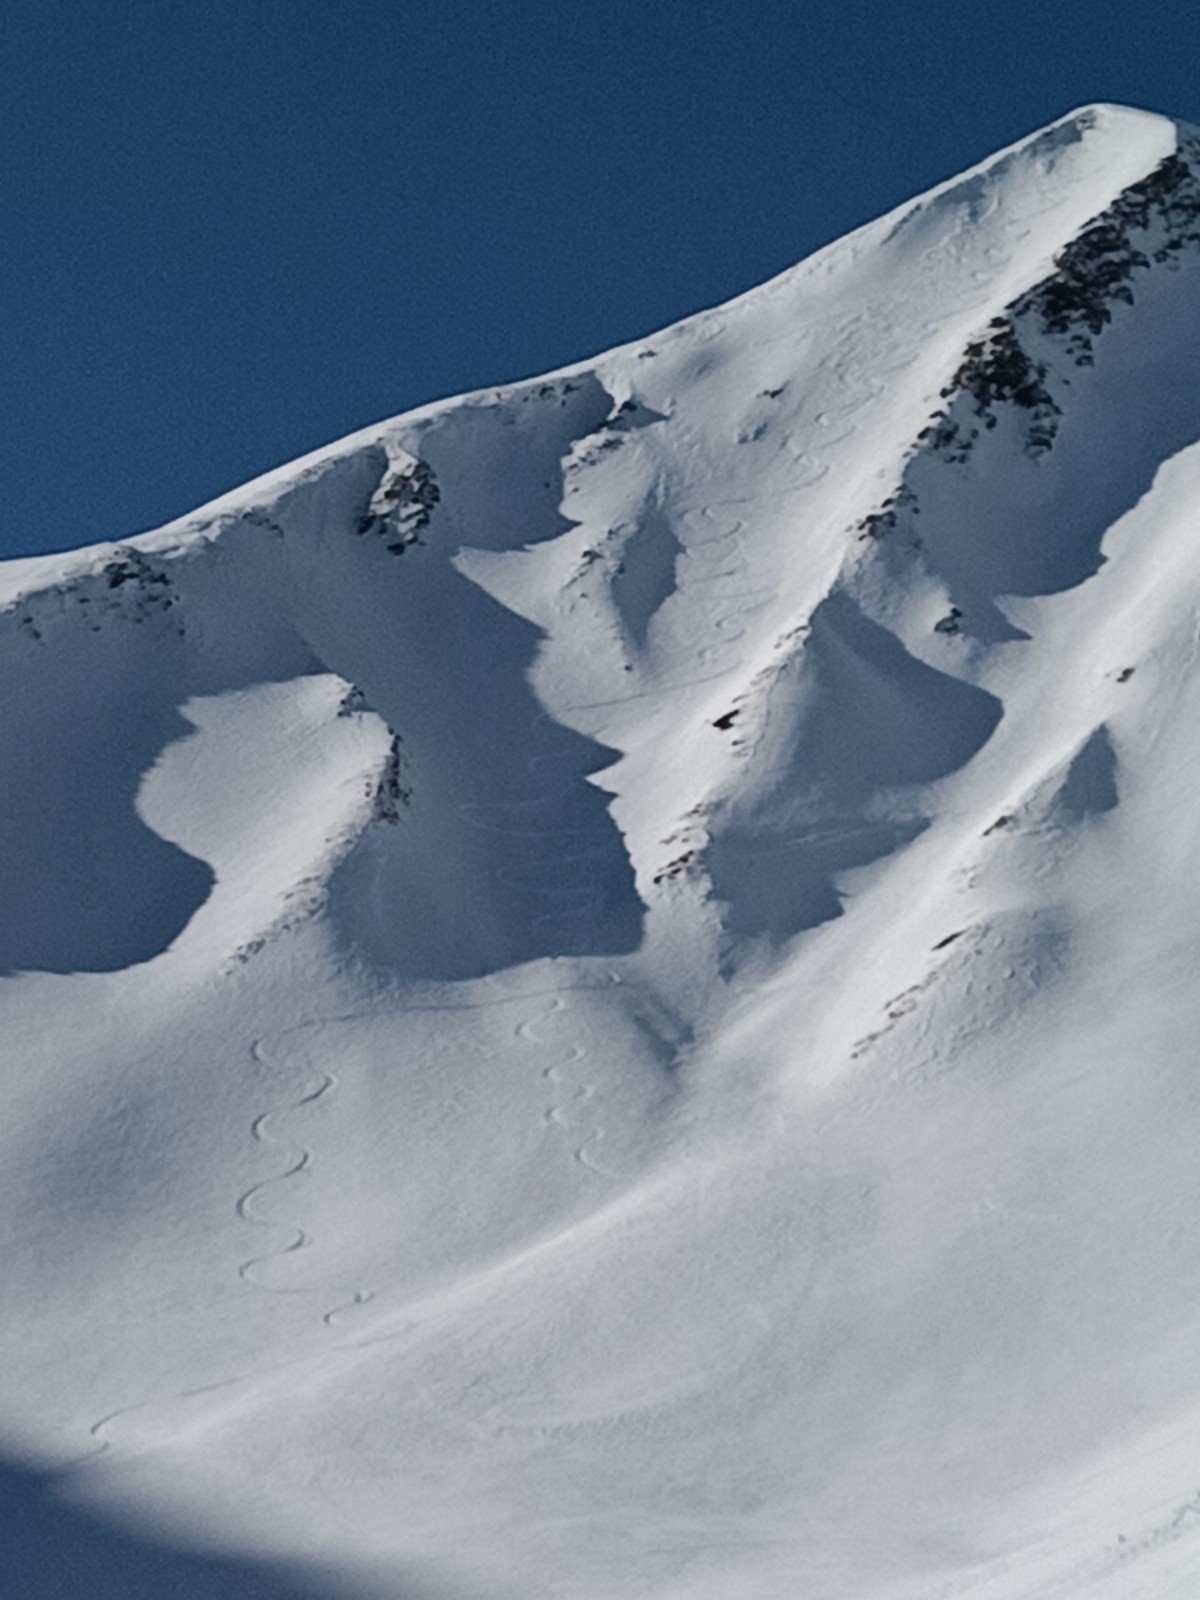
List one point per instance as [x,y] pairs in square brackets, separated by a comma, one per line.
[598,979]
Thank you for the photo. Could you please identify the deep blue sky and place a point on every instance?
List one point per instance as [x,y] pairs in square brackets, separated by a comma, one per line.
[236,229]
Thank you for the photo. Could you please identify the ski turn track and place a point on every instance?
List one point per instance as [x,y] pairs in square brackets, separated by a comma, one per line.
[302,1160]
[558,1113]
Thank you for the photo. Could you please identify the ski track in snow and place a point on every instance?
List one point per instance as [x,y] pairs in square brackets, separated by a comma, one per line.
[559,1113]
[572,902]
[298,1240]
[302,1159]
[99,1430]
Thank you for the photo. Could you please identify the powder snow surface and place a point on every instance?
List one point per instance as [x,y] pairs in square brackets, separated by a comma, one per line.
[598,982]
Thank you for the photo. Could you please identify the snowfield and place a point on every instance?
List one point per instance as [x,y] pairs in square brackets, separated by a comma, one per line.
[599,982]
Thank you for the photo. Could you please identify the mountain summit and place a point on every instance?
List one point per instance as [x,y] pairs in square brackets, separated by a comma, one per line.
[599,979]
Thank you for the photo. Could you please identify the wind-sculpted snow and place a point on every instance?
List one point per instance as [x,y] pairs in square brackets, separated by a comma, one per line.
[599,979]
[86,885]
[1035,525]
[836,774]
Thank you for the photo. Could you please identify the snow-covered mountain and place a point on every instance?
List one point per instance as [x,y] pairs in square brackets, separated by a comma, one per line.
[599,986]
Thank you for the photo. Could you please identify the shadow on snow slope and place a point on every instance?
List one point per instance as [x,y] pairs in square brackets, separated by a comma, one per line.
[99,667]
[503,851]
[54,1551]
[85,885]
[1058,420]
[854,725]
